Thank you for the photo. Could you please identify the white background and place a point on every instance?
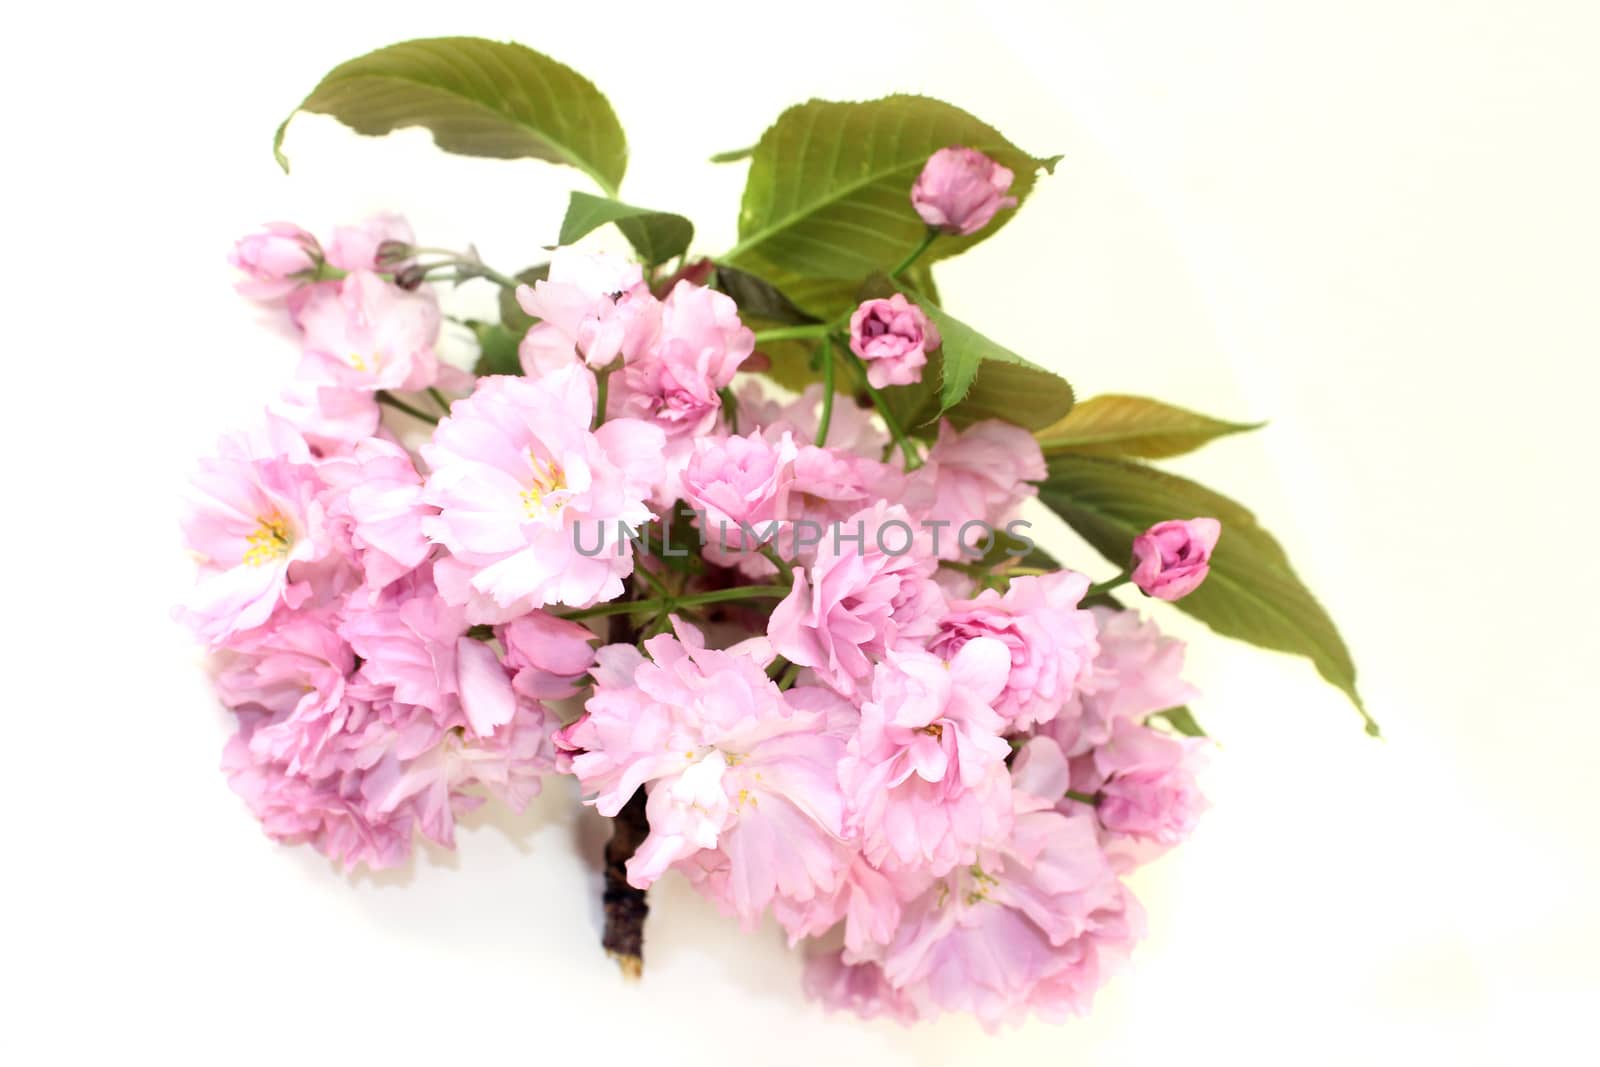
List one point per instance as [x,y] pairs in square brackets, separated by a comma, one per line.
[1373,223]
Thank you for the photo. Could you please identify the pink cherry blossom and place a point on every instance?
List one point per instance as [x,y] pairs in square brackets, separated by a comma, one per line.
[1036,925]
[894,338]
[925,777]
[519,478]
[741,775]
[254,521]
[740,484]
[547,654]
[851,428]
[592,308]
[1171,559]
[368,334]
[960,190]
[376,491]
[276,261]
[1137,672]
[978,476]
[870,589]
[1051,641]
[855,987]
[332,419]
[1144,781]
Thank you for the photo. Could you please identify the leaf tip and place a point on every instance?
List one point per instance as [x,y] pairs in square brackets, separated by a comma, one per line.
[1049,164]
[277,144]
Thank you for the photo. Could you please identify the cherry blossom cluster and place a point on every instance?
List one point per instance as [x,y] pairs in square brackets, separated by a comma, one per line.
[931,765]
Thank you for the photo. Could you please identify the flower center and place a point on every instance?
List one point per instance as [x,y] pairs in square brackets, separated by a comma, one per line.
[365,363]
[547,494]
[269,541]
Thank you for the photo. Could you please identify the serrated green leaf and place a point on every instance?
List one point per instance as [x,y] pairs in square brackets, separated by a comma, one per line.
[1119,425]
[971,378]
[479,98]
[1252,593]
[828,193]
[656,235]
[759,299]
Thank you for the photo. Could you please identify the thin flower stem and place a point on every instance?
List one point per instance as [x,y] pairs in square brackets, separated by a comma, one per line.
[440,399]
[916,253]
[913,457]
[693,600]
[1083,798]
[652,579]
[785,572]
[827,392]
[793,333]
[602,379]
[1107,585]
[400,405]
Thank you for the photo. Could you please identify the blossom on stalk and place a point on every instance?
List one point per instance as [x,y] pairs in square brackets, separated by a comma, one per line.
[1172,558]
[870,589]
[960,190]
[367,334]
[592,308]
[925,777]
[376,492]
[893,337]
[275,261]
[1144,784]
[519,478]
[1137,672]
[740,774]
[1050,639]
[254,521]
[972,483]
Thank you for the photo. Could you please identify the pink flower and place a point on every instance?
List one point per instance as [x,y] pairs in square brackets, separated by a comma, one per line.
[331,419]
[520,479]
[972,482]
[855,987]
[740,482]
[926,776]
[741,775]
[414,643]
[548,654]
[368,334]
[1145,784]
[850,429]
[377,492]
[676,385]
[1051,641]
[960,189]
[276,261]
[894,337]
[1137,672]
[1172,558]
[591,308]
[1035,925]
[869,590]
[359,247]
[254,521]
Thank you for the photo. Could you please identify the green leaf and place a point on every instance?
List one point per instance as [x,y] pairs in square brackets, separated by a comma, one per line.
[1252,592]
[829,189]
[479,98]
[656,235]
[1180,719]
[971,378]
[497,349]
[512,317]
[760,299]
[1119,425]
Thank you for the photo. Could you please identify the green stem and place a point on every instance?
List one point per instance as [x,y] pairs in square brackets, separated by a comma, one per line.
[651,579]
[694,600]
[913,457]
[785,572]
[1107,585]
[440,399]
[400,405]
[916,253]
[793,333]
[827,392]
[1082,798]
[602,380]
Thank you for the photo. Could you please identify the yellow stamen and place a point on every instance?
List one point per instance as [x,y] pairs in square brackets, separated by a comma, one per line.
[269,542]
[548,479]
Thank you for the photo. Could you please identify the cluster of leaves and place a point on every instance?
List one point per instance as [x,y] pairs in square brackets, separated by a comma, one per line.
[825,216]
